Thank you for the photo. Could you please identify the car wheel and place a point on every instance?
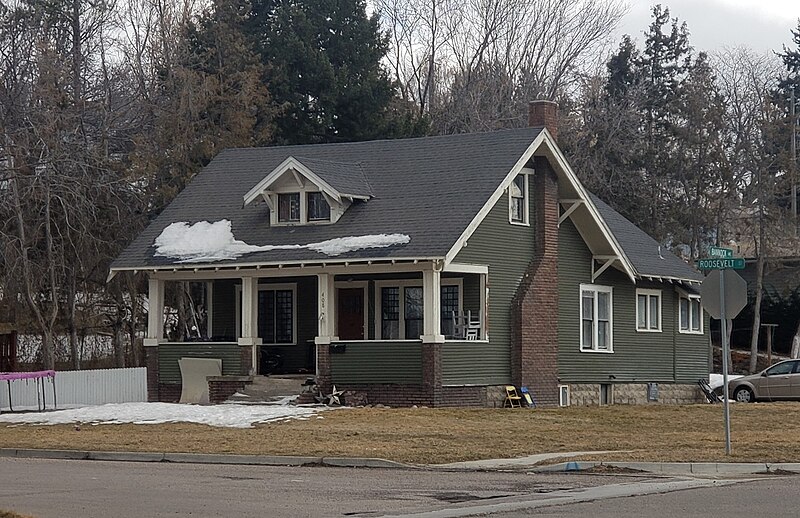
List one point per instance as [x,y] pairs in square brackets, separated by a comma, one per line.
[744,395]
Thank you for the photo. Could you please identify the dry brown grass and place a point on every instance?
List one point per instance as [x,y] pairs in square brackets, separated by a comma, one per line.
[12,514]
[760,432]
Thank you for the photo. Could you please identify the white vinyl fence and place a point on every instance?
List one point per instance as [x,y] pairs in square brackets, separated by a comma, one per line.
[77,388]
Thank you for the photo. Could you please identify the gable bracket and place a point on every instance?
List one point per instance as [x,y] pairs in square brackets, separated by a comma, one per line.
[573,204]
[609,260]
[268,201]
[298,178]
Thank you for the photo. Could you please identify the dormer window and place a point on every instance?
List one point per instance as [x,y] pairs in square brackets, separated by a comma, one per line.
[318,207]
[310,191]
[289,207]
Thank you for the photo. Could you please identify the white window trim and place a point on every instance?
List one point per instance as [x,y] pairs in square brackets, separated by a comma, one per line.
[364,285]
[690,297]
[526,203]
[268,287]
[407,283]
[649,293]
[564,402]
[274,219]
[596,288]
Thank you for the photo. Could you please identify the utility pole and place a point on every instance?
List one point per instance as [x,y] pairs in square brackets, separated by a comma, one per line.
[793,111]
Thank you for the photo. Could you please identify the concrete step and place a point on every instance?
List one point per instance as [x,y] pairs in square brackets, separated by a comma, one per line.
[277,389]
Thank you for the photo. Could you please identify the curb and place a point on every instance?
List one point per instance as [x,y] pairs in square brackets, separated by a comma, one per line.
[681,468]
[202,458]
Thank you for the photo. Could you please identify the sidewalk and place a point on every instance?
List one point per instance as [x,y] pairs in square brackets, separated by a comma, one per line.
[532,462]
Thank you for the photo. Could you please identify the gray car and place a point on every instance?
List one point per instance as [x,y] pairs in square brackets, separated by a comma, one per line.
[779,382]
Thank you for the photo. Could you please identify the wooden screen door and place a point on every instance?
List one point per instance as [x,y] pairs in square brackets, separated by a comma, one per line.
[350,309]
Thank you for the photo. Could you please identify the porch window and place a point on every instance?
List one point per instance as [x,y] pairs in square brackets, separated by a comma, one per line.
[648,310]
[390,313]
[518,200]
[318,208]
[289,207]
[596,318]
[276,322]
[414,313]
[449,302]
[402,309]
[690,314]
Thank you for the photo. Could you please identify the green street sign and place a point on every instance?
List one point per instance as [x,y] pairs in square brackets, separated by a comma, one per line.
[717,252]
[736,263]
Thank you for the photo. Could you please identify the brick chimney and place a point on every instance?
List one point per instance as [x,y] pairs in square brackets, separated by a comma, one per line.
[543,113]
[534,330]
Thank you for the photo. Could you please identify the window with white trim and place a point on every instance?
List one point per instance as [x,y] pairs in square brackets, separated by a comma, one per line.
[518,200]
[648,310]
[563,395]
[690,314]
[596,318]
[289,207]
[401,311]
[318,207]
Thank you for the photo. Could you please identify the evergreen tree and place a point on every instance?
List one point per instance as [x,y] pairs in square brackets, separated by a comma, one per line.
[325,73]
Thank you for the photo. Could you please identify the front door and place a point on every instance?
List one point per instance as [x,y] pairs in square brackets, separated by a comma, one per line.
[350,313]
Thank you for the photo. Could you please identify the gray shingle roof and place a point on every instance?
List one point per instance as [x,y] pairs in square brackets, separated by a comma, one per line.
[646,255]
[345,177]
[429,188]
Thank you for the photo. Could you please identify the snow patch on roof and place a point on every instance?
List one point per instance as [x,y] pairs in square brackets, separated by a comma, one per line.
[208,242]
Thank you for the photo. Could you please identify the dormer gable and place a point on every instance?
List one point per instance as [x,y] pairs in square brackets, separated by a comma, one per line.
[304,190]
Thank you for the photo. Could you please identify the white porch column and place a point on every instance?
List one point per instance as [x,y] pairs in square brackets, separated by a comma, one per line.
[432,305]
[249,333]
[327,309]
[155,312]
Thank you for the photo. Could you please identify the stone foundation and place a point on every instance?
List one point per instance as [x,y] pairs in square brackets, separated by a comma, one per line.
[586,394]
[410,395]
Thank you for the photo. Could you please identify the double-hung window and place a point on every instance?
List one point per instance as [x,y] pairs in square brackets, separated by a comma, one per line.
[289,207]
[690,314]
[648,310]
[318,207]
[596,318]
[518,200]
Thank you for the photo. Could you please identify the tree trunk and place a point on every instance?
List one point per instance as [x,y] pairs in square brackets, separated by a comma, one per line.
[796,342]
[757,312]
[72,325]
[48,353]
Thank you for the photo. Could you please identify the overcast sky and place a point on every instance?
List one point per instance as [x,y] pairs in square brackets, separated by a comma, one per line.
[760,24]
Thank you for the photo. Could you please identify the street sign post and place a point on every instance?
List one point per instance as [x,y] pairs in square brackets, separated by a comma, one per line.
[724,295]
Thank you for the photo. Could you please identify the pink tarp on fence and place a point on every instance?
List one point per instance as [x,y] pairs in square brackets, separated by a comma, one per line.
[11,376]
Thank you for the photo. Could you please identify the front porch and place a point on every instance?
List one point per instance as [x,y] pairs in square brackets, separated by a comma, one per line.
[395,333]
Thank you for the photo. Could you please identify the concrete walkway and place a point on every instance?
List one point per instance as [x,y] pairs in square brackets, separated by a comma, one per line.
[532,462]
[519,462]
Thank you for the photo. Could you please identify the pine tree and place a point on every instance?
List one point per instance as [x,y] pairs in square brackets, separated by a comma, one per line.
[325,73]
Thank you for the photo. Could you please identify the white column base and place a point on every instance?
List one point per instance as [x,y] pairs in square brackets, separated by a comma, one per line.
[150,342]
[249,341]
[325,340]
[432,339]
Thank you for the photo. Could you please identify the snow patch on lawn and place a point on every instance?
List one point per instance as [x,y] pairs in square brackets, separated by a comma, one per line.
[230,415]
[207,242]
[715,380]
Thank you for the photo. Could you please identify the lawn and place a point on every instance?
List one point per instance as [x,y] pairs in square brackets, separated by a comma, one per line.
[760,432]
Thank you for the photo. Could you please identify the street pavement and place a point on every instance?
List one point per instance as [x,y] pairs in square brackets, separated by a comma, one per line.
[48,488]
[65,488]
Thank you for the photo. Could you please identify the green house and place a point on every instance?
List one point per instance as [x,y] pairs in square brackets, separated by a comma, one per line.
[430,271]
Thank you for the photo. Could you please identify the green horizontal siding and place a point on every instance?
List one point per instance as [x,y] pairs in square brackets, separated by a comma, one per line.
[474,363]
[168,355]
[507,250]
[691,354]
[665,357]
[378,362]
